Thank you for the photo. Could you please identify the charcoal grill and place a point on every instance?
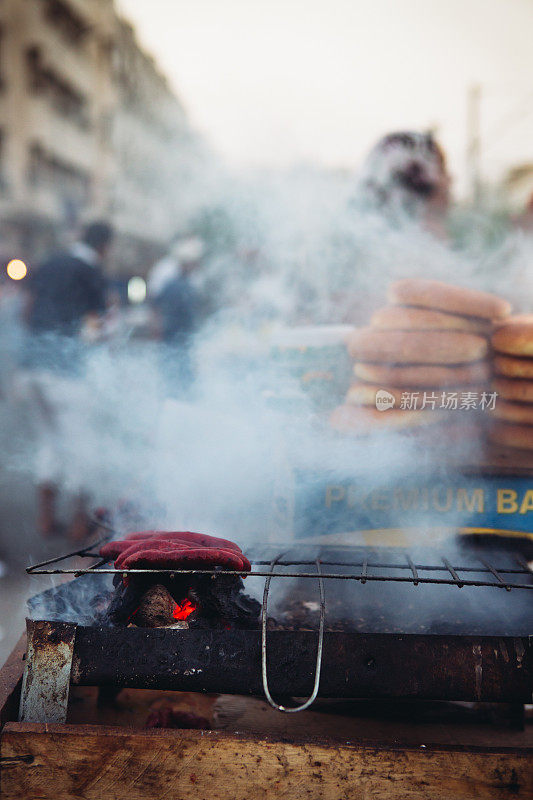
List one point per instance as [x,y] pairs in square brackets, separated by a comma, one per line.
[488,664]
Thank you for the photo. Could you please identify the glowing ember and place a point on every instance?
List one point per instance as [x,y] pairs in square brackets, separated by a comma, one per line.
[183,610]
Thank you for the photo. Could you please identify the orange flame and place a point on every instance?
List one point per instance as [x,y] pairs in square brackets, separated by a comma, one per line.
[183,610]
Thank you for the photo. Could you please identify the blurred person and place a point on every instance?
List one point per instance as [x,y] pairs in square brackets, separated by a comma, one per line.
[164,270]
[177,307]
[182,250]
[405,174]
[69,288]
[404,181]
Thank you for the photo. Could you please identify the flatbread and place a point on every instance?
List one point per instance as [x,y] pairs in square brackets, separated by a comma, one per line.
[416,347]
[409,318]
[510,435]
[521,413]
[426,376]
[521,391]
[512,367]
[515,339]
[447,297]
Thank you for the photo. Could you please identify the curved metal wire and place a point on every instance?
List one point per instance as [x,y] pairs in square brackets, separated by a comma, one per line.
[318,666]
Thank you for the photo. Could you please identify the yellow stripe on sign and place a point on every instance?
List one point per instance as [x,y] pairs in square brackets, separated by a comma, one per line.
[404,537]
[495,532]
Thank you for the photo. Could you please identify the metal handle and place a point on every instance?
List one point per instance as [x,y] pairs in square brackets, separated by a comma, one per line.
[318,666]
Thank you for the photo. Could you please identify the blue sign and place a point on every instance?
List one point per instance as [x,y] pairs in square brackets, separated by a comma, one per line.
[327,504]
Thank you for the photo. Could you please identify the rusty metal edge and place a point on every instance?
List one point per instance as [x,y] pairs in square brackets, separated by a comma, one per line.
[46,679]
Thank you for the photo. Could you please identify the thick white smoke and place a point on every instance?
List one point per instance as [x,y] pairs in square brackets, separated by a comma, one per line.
[282,250]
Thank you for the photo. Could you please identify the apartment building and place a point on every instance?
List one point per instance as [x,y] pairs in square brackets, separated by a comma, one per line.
[88,128]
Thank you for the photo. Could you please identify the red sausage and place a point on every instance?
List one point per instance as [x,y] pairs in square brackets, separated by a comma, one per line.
[164,545]
[200,539]
[112,550]
[174,551]
[200,558]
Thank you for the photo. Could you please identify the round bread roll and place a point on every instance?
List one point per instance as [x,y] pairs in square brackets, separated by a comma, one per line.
[508,434]
[516,338]
[446,297]
[364,394]
[416,347]
[425,376]
[408,318]
[522,413]
[521,391]
[365,421]
[512,367]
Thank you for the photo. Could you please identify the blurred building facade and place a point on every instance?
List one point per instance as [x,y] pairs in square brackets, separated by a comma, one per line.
[89,127]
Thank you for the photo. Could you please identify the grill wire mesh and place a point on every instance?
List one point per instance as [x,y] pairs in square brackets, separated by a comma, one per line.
[364,566]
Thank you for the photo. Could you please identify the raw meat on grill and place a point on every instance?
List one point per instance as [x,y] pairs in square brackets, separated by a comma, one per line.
[113,549]
[166,555]
[202,539]
[179,550]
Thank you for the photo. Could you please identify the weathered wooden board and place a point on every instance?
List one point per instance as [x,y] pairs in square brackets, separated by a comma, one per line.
[91,763]
[381,722]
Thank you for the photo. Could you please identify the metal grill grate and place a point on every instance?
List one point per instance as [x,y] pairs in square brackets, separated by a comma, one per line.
[369,566]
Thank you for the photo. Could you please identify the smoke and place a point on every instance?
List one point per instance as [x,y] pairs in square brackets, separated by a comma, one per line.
[282,250]
[305,246]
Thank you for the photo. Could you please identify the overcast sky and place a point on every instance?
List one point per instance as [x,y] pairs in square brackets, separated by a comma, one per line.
[276,81]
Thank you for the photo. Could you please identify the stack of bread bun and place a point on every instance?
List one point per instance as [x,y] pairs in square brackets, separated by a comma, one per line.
[432,338]
[512,344]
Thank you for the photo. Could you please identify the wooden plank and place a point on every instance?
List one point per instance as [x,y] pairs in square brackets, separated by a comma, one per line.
[10,682]
[90,762]
[379,721]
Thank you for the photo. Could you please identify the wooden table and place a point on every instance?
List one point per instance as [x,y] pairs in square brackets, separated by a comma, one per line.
[350,751]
